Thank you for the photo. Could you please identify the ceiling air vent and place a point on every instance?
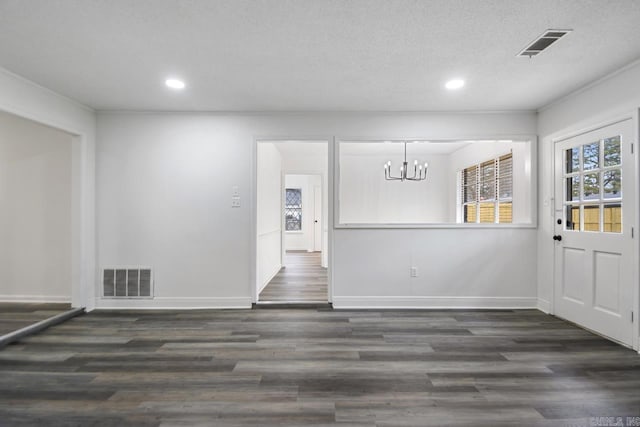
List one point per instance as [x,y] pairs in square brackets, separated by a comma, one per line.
[127,282]
[547,38]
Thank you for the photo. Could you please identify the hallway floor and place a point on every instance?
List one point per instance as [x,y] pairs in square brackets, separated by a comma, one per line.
[302,279]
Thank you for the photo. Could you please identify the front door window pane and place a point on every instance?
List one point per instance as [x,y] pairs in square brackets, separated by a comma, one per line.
[592,218]
[573,188]
[612,184]
[612,151]
[591,186]
[572,221]
[591,155]
[612,218]
[573,160]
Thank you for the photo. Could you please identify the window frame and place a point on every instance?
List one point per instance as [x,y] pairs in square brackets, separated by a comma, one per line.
[532,174]
[479,183]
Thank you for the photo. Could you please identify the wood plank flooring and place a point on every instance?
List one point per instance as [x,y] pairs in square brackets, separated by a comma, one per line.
[16,315]
[316,367]
[302,279]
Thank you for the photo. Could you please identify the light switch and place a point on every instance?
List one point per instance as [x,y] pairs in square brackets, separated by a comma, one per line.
[235,191]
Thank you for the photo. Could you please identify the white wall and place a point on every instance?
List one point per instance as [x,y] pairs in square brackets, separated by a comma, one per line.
[611,98]
[25,99]
[366,197]
[303,240]
[269,208]
[35,211]
[164,183]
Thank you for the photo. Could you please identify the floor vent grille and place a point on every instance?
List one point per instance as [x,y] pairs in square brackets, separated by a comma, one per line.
[543,42]
[129,282]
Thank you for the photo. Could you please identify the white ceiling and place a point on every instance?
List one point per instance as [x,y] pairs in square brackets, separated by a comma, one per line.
[274,55]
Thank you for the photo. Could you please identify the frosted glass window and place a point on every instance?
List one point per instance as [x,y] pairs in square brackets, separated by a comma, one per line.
[293,209]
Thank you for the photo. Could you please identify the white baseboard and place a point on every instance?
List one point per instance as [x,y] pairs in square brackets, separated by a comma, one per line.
[271,276]
[417,302]
[160,303]
[35,298]
[544,305]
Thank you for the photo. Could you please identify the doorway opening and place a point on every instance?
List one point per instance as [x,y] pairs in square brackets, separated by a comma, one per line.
[292,241]
[36,229]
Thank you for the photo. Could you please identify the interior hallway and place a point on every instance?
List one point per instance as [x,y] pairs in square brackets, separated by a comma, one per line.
[302,279]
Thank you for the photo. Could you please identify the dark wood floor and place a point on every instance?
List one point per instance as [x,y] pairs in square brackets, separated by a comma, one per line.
[316,366]
[302,279]
[15,315]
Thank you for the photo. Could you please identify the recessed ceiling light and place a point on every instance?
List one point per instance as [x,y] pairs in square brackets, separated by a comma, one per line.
[174,83]
[454,84]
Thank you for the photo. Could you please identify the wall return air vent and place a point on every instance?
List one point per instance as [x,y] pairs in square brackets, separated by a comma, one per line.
[127,282]
[543,42]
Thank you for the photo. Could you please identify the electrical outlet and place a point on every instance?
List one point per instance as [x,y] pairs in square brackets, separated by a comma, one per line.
[413,271]
[235,202]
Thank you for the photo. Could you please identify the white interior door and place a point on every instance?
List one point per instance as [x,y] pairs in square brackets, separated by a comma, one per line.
[595,211]
[317,218]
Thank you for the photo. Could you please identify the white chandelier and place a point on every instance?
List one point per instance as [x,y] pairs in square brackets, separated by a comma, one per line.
[419,173]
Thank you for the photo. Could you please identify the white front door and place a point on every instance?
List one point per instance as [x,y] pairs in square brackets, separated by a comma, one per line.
[594,213]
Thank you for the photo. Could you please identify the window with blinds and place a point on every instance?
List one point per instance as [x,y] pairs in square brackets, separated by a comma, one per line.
[486,191]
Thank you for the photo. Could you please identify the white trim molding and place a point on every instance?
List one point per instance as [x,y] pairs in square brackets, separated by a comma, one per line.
[35,298]
[544,305]
[177,303]
[271,276]
[440,302]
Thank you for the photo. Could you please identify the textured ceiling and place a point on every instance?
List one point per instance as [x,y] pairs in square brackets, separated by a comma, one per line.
[292,55]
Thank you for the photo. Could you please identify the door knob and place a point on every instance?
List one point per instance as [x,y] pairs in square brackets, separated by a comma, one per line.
[557,237]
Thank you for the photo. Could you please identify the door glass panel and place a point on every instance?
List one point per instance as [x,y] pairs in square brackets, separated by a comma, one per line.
[591,186]
[592,218]
[487,212]
[612,218]
[572,221]
[612,184]
[573,188]
[573,159]
[612,151]
[591,155]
